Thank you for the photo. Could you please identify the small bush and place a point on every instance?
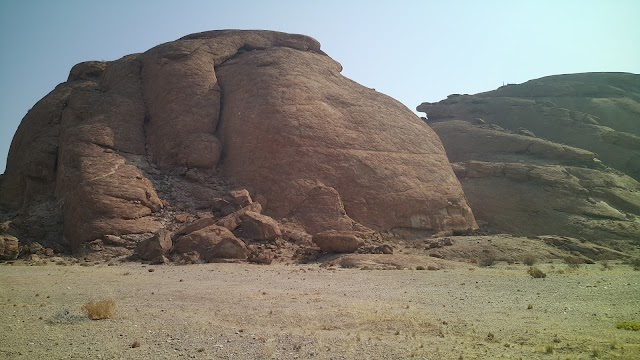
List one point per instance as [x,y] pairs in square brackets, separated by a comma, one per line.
[628,325]
[536,273]
[529,259]
[420,267]
[100,310]
[549,349]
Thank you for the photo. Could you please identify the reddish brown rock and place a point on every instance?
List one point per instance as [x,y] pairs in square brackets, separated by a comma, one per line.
[227,248]
[205,240]
[233,220]
[378,157]
[241,197]
[120,141]
[259,227]
[155,247]
[338,241]
[195,226]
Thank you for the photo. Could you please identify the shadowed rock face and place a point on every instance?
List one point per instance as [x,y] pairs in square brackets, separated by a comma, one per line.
[121,144]
[539,158]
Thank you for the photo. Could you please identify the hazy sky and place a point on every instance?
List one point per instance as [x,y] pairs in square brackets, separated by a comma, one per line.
[414,51]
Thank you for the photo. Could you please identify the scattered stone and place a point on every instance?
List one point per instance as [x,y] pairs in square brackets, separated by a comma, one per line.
[240,197]
[182,218]
[233,220]
[190,257]
[36,248]
[260,257]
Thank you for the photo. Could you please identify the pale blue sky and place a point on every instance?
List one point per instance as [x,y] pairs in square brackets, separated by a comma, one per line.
[414,51]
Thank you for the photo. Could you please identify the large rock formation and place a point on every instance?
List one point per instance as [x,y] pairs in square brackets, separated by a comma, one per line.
[123,146]
[557,155]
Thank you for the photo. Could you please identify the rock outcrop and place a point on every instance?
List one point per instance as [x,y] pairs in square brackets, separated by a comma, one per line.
[540,158]
[133,146]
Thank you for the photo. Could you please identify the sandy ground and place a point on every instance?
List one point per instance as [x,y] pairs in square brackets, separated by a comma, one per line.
[239,311]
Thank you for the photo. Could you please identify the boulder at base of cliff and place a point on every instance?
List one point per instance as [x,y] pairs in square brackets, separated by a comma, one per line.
[9,247]
[338,241]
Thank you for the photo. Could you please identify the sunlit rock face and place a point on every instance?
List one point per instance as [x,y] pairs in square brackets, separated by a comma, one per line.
[121,145]
[556,155]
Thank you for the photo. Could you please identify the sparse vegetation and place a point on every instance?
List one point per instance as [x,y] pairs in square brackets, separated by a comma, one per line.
[635,263]
[529,259]
[628,325]
[536,273]
[605,266]
[100,310]
[65,317]
[489,259]
[348,262]
[549,349]
[420,267]
[573,261]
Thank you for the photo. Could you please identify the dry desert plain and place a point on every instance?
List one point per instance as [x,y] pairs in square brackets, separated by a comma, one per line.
[244,311]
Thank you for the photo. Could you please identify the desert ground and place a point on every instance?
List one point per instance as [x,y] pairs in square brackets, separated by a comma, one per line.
[319,311]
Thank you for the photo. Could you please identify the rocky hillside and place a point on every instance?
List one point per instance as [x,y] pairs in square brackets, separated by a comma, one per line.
[153,143]
[556,155]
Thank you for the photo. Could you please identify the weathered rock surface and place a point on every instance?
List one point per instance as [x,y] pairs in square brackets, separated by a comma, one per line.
[122,147]
[338,241]
[259,227]
[598,112]
[211,242]
[156,247]
[531,186]
[9,247]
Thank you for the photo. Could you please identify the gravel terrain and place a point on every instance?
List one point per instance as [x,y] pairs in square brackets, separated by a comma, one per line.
[240,311]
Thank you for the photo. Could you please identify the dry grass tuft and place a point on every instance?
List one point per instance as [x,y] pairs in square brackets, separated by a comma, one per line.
[529,259]
[536,273]
[100,310]
[348,262]
[628,325]
[573,261]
